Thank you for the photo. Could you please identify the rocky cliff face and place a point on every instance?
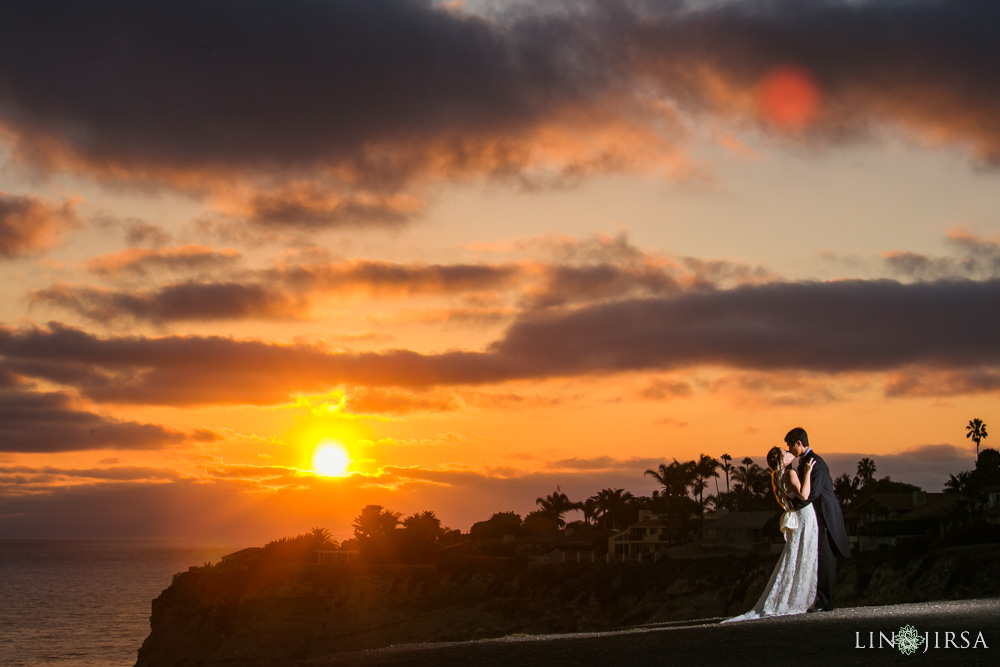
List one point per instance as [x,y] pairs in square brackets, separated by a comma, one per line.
[290,613]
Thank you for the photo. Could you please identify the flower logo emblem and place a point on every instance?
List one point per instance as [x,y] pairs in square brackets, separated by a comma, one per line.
[908,640]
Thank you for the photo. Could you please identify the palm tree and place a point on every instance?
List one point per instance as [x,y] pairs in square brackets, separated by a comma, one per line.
[845,489]
[866,472]
[556,505]
[705,468]
[321,537]
[727,466]
[590,510]
[744,474]
[959,483]
[976,429]
[611,503]
[752,485]
[675,477]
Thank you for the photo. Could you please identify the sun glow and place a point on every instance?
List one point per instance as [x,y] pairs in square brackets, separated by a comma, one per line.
[331,459]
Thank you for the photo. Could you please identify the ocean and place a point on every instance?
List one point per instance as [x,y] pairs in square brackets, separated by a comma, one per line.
[86,603]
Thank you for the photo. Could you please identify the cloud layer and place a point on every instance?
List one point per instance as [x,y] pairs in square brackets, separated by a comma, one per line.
[29,225]
[49,422]
[868,326]
[332,107]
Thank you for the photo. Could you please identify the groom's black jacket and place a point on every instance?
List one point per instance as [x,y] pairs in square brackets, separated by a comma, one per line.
[827,506]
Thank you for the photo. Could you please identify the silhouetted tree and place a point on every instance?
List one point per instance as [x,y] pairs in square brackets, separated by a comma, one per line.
[540,522]
[612,505]
[866,472]
[727,466]
[976,430]
[752,486]
[297,549]
[374,521]
[958,483]
[675,479]
[322,539]
[375,531]
[974,482]
[846,489]
[590,510]
[726,500]
[556,505]
[706,468]
[419,536]
[498,525]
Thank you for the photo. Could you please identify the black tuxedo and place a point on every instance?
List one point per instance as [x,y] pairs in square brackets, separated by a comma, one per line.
[832,533]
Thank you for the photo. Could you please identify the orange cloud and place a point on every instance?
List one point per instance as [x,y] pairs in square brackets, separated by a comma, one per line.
[841,326]
[140,261]
[29,225]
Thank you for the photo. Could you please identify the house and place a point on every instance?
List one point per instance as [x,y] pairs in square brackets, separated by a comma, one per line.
[645,537]
[991,510]
[336,555]
[242,559]
[880,519]
[574,543]
[740,530]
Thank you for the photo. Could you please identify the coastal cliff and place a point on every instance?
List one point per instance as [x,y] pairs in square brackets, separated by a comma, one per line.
[291,613]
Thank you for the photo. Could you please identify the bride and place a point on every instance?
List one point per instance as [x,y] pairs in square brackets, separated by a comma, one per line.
[792,586]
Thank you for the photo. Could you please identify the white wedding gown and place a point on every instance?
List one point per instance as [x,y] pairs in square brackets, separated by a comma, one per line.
[792,586]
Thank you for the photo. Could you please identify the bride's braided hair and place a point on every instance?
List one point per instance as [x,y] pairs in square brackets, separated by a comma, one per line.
[776,462]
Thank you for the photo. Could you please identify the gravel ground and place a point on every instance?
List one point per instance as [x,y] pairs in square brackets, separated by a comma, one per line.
[828,637]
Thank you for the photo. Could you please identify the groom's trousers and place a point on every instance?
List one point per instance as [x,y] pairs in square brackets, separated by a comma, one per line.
[826,574]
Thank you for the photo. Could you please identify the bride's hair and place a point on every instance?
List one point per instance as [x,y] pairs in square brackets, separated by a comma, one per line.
[776,462]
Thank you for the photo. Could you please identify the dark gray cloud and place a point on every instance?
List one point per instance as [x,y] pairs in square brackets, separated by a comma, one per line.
[973,257]
[192,301]
[580,272]
[259,85]
[382,401]
[47,474]
[314,208]
[846,326]
[373,95]
[828,327]
[568,284]
[48,422]
[284,292]
[29,225]
[924,66]
[943,383]
[142,261]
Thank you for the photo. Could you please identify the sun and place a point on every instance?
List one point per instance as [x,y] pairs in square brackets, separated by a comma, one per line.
[330,459]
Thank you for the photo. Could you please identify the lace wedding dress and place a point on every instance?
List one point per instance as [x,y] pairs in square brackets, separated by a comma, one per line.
[792,586]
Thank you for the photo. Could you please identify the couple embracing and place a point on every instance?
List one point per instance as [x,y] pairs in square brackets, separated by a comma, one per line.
[805,578]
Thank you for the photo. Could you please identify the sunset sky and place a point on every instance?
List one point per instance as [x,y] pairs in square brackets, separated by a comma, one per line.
[491,248]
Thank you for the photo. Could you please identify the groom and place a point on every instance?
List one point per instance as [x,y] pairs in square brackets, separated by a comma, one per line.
[832,534]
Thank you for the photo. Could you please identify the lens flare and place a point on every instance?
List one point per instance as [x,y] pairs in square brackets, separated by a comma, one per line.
[788,98]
